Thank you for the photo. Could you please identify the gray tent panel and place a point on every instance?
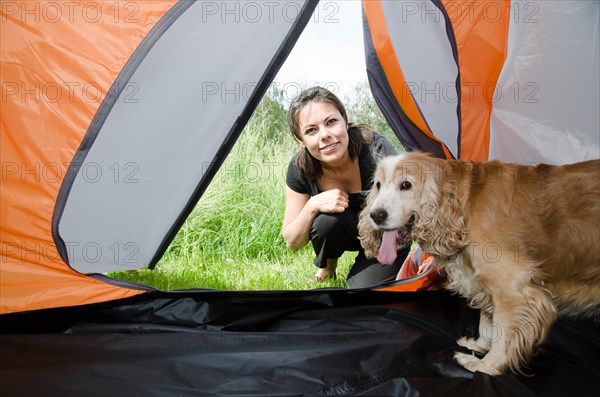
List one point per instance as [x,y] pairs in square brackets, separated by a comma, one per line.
[432,84]
[547,99]
[162,141]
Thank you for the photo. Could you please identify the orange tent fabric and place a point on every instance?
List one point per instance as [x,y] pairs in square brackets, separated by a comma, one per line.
[46,112]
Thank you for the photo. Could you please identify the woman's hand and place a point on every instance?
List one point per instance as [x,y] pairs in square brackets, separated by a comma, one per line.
[330,201]
[301,210]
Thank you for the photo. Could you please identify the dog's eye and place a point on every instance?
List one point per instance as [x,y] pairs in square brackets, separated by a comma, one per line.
[406,185]
[378,185]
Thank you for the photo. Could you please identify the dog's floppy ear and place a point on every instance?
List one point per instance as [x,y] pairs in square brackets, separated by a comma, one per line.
[370,238]
[440,226]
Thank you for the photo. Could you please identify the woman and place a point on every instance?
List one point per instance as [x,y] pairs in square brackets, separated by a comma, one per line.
[326,184]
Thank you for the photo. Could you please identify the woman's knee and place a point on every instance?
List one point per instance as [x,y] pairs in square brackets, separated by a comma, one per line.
[326,224]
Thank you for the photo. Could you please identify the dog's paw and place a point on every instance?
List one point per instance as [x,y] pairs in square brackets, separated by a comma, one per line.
[474,364]
[477,345]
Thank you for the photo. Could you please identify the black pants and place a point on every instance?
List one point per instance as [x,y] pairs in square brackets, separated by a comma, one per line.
[334,234]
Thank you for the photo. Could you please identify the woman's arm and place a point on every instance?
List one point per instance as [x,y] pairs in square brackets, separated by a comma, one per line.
[297,219]
[301,210]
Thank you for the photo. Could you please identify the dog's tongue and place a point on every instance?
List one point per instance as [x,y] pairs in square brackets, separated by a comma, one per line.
[387,251]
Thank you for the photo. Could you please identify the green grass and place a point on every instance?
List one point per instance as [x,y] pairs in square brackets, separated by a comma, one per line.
[232,239]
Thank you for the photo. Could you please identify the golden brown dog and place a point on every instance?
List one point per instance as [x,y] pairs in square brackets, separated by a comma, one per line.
[522,243]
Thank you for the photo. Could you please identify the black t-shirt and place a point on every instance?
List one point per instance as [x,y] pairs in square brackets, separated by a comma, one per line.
[379,147]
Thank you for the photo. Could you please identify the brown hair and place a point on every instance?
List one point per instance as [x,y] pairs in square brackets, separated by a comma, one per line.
[358,135]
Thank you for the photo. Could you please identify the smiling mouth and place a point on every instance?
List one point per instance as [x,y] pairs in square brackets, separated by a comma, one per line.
[328,147]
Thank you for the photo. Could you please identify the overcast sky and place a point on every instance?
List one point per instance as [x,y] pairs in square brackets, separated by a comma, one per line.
[329,52]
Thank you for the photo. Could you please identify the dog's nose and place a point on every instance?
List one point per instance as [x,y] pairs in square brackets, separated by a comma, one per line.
[379,215]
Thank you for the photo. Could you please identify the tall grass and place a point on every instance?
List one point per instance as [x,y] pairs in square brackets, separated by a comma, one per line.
[232,238]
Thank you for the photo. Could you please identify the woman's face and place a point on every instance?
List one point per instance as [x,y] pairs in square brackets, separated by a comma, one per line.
[324,132]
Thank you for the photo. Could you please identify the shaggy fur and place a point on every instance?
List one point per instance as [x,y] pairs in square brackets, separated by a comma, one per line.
[520,242]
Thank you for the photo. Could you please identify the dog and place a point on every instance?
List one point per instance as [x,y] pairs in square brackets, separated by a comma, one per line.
[521,243]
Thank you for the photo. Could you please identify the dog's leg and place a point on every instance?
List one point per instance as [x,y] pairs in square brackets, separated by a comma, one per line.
[487,333]
[523,317]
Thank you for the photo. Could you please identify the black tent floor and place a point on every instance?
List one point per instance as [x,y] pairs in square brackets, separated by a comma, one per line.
[284,343]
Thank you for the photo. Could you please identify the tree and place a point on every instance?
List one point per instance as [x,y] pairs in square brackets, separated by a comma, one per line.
[361,108]
[270,117]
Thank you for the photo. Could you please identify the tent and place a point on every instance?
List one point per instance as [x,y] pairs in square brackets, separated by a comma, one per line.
[113,109]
